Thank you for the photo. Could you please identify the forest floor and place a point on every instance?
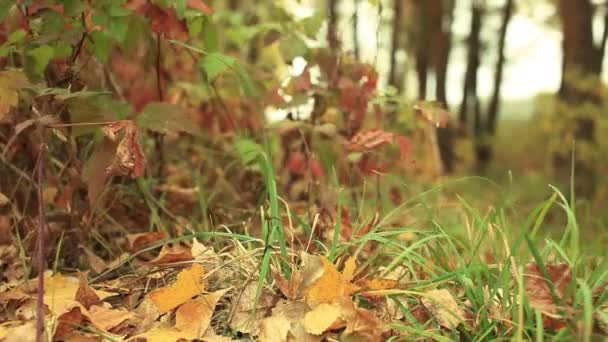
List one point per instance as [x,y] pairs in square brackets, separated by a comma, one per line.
[466,260]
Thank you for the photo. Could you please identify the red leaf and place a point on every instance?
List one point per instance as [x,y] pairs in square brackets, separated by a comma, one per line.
[405,146]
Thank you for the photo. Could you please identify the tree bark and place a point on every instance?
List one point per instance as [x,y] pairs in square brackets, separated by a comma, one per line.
[582,61]
[332,25]
[470,101]
[441,14]
[394,77]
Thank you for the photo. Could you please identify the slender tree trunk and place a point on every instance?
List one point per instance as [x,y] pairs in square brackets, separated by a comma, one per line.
[484,149]
[441,13]
[332,25]
[470,101]
[494,105]
[394,78]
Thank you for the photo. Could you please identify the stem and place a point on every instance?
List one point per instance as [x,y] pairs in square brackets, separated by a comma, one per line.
[158,137]
[40,242]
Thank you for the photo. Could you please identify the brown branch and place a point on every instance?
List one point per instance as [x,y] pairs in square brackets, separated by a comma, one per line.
[40,243]
[158,137]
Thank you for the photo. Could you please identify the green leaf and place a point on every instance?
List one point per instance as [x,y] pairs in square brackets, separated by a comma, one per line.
[312,24]
[5,6]
[180,8]
[41,57]
[73,7]
[210,36]
[214,64]
[117,10]
[248,150]
[52,23]
[101,108]
[102,45]
[166,118]
[118,29]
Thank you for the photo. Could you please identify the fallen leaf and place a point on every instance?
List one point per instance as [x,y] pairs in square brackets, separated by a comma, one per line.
[60,293]
[85,295]
[193,317]
[538,287]
[274,328]
[189,283]
[22,333]
[332,285]
[444,307]
[107,318]
[243,319]
[321,318]
[161,334]
[171,254]
[68,322]
[140,241]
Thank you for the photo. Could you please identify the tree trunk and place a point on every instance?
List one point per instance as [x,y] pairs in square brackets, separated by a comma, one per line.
[394,77]
[332,25]
[484,149]
[582,61]
[470,101]
[441,14]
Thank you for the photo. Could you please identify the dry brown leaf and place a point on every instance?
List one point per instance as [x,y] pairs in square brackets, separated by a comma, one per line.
[85,295]
[60,293]
[161,334]
[321,318]
[289,288]
[171,254]
[21,333]
[97,264]
[538,289]
[68,322]
[362,322]
[130,159]
[140,241]
[189,283]
[193,317]
[243,319]
[444,307]
[333,285]
[106,318]
[274,328]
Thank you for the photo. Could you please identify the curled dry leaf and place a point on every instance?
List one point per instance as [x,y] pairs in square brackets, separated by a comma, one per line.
[188,284]
[370,140]
[193,317]
[129,159]
[444,307]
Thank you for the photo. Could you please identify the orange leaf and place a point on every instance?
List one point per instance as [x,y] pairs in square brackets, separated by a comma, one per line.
[187,285]
[332,285]
[141,240]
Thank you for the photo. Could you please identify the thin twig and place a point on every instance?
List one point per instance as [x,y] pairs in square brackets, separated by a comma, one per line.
[158,137]
[40,242]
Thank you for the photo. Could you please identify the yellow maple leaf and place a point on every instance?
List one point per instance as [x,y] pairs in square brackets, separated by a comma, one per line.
[189,283]
[60,293]
[322,318]
[332,285]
